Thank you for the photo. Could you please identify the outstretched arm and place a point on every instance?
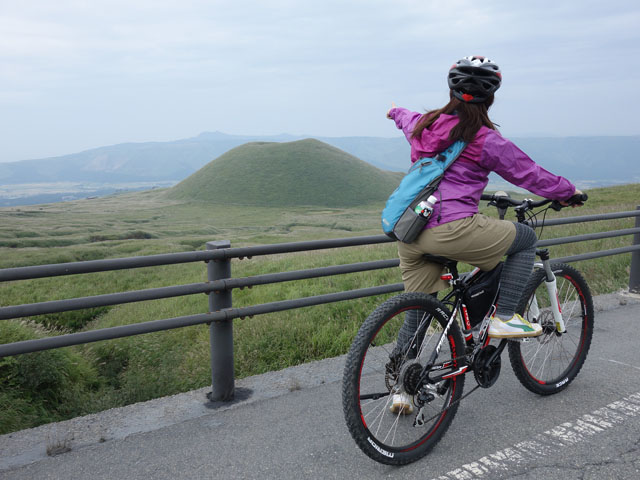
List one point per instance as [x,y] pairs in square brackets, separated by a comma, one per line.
[393,105]
[405,119]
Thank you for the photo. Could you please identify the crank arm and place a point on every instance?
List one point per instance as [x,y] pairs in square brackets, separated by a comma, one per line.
[498,352]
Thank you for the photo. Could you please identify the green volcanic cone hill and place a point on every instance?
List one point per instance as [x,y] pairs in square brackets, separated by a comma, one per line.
[305,172]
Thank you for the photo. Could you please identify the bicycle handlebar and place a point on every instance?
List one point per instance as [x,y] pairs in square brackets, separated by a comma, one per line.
[504,201]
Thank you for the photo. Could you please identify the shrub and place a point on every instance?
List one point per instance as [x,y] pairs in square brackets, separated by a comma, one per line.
[41,387]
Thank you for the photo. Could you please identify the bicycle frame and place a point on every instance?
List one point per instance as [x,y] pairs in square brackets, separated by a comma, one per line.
[454,298]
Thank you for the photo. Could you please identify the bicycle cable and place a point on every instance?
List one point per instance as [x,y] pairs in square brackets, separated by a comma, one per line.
[532,218]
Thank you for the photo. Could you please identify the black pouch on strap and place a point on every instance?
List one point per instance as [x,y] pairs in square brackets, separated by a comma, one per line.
[482,293]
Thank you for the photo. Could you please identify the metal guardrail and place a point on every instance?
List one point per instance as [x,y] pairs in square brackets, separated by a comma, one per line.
[220,284]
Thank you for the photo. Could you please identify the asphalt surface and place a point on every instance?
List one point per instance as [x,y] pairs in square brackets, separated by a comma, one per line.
[289,424]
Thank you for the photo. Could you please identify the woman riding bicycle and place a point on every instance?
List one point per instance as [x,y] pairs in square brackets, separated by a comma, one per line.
[456,230]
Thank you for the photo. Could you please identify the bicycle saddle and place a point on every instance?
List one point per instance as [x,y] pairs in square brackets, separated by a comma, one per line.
[447,262]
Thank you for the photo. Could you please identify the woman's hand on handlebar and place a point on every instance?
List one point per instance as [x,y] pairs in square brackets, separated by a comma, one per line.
[576,200]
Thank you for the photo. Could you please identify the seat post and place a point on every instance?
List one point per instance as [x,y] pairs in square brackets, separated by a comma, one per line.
[452,265]
[453,268]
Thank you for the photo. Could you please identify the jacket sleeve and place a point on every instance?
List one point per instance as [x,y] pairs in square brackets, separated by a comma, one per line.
[503,157]
[405,120]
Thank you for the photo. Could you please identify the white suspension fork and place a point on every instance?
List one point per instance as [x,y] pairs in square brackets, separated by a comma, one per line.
[552,292]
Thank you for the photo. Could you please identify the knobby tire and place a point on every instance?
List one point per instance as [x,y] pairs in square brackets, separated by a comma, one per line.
[549,363]
[392,438]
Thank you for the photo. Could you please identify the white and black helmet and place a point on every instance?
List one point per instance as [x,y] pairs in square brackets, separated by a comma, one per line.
[474,79]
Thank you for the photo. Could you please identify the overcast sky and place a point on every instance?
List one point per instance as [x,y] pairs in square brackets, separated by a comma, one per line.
[81,74]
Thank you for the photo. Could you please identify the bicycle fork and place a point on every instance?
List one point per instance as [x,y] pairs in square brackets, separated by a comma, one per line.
[552,292]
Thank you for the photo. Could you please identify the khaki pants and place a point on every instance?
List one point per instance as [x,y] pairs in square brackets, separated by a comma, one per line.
[479,240]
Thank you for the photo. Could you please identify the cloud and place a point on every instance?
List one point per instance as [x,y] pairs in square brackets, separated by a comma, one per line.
[167,68]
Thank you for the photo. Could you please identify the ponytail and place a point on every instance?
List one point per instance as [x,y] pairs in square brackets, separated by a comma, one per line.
[472,117]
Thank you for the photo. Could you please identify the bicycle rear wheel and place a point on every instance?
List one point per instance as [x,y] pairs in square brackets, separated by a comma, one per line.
[377,367]
[548,364]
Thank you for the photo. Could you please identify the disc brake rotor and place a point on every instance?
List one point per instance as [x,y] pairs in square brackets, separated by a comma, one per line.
[548,323]
[391,374]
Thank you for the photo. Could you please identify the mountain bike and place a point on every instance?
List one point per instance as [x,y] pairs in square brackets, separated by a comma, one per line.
[451,340]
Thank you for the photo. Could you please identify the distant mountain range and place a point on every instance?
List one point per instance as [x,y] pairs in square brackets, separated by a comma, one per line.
[588,161]
[176,160]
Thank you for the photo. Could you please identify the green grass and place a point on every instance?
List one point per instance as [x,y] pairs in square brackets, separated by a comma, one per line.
[102,375]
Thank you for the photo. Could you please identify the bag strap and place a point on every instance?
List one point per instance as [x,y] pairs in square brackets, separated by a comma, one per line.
[448,156]
[452,153]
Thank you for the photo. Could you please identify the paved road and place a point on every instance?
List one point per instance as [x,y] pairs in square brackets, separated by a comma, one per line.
[291,426]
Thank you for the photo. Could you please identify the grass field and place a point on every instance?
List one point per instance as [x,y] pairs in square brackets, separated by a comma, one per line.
[54,385]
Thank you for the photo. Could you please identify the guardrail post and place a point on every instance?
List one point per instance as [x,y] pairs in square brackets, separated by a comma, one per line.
[221,332]
[634,274]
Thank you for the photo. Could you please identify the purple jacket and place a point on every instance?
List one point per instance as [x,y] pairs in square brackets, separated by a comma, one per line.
[465,180]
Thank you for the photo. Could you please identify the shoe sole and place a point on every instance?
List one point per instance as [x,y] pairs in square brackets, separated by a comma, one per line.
[516,335]
[403,409]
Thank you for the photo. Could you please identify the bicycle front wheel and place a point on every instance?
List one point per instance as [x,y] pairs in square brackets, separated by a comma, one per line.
[548,364]
[379,367]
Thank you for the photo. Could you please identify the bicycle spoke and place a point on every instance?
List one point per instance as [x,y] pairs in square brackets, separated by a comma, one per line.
[376,367]
[534,354]
[376,405]
[568,337]
[394,429]
[544,360]
[427,338]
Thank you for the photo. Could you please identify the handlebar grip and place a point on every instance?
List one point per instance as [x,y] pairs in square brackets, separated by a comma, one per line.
[578,199]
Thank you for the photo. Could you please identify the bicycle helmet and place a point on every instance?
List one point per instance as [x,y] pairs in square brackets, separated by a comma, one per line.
[474,79]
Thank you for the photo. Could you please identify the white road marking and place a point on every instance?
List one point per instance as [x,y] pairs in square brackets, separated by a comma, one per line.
[563,435]
[620,363]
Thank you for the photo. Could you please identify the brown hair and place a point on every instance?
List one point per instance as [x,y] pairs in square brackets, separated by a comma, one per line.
[472,117]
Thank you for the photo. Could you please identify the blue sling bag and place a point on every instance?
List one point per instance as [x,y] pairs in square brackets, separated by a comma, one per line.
[400,221]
